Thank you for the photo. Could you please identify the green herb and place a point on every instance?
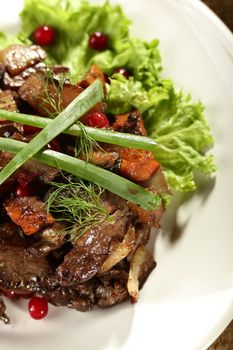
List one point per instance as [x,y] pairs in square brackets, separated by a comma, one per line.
[101,177]
[77,203]
[79,106]
[85,144]
[101,135]
[51,103]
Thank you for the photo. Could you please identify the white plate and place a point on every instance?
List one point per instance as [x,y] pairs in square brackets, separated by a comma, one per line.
[188,299]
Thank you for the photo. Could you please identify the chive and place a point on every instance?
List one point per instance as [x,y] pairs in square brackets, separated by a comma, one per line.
[101,135]
[79,106]
[104,178]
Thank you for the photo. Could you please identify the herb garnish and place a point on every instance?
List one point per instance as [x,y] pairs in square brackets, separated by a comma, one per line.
[77,203]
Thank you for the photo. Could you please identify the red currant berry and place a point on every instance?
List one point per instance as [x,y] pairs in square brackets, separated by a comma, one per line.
[44,35]
[9,294]
[38,307]
[122,71]
[96,120]
[25,191]
[98,41]
[28,129]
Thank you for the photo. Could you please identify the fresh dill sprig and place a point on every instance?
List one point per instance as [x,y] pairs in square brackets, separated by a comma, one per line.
[52,102]
[78,204]
[85,145]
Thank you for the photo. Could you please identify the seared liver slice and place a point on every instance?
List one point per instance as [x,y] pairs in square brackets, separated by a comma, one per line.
[90,251]
[38,93]
[29,213]
[18,269]
[18,57]
[14,82]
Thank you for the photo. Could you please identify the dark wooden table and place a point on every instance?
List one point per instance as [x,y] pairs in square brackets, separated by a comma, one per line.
[224,9]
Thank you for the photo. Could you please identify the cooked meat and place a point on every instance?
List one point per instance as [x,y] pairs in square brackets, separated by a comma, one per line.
[35,93]
[135,164]
[80,297]
[18,57]
[3,316]
[39,93]
[7,102]
[49,239]
[90,251]
[112,288]
[29,213]
[93,74]
[131,123]
[69,93]
[14,82]
[19,269]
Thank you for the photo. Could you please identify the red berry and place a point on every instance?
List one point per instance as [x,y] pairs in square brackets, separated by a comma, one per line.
[25,191]
[96,120]
[98,41]
[9,294]
[28,129]
[122,71]
[44,35]
[38,307]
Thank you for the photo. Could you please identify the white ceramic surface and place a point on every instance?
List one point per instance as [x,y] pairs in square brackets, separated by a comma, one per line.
[188,299]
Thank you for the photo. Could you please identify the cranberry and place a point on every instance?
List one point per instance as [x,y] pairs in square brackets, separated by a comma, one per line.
[98,41]
[25,191]
[122,71]
[38,307]
[29,129]
[96,120]
[44,35]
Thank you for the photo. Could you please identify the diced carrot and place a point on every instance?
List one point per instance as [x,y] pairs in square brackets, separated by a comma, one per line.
[29,213]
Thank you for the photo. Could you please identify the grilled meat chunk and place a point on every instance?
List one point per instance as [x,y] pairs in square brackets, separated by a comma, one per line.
[112,288]
[94,73]
[131,123]
[14,82]
[29,213]
[48,239]
[80,297]
[90,251]
[19,269]
[39,93]
[17,58]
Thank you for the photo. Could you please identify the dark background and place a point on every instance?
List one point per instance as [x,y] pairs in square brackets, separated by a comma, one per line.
[224,9]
